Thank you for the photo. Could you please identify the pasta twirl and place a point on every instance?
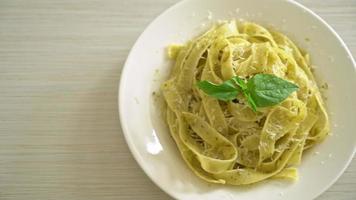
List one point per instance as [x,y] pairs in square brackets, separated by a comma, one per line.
[227,142]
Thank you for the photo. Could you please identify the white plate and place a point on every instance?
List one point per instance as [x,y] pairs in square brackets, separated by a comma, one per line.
[147,65]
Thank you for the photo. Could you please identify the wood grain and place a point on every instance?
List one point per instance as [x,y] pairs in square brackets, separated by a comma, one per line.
[60,63]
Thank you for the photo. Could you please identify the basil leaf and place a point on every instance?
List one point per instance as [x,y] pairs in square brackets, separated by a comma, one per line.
[240,82]
[260,91]
[226,91]
[269,90]
[251,102]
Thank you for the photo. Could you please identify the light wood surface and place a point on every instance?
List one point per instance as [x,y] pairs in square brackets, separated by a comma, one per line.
[60,63]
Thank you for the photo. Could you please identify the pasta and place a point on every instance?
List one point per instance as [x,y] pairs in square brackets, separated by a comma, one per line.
[227,142]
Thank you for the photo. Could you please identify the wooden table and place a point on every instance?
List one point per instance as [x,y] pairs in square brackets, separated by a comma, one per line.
[60,63]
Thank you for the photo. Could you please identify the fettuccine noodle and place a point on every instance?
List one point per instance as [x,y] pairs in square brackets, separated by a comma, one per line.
[227,142]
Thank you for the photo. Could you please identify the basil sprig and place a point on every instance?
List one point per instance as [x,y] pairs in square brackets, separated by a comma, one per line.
[261,90]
